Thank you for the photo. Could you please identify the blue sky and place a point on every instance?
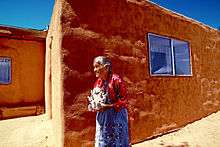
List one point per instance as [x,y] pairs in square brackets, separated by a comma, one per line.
[36,14]
[33,14]
[205,11]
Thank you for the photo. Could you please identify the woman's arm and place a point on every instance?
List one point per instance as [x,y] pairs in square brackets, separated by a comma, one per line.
[121,93]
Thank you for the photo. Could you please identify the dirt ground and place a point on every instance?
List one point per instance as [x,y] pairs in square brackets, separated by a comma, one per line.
[202,133]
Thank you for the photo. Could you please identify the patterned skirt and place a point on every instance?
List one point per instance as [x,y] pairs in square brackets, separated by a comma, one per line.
[112,128]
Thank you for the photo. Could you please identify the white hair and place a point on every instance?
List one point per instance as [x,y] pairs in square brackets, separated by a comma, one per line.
[104,61]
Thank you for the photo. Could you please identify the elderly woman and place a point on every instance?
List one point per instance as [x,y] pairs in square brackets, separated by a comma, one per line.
[111,108]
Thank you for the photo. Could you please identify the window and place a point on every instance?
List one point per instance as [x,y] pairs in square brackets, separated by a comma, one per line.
[5,70]
[168,56]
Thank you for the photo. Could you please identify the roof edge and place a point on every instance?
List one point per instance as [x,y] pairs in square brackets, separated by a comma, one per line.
[181,16]
[22,33]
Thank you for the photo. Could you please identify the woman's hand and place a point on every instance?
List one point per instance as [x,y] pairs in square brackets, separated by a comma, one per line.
[105,106]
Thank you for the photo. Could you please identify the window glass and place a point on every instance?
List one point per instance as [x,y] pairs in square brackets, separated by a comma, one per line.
[168,56]
[5,70]
[181,54]
[160,55]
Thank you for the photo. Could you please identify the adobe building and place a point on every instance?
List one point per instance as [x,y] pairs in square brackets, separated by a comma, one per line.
[168,61]
[170,64]
[22,61]
[25,109]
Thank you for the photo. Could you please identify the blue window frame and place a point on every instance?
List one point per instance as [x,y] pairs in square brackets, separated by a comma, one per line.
[168,57]
[5,70]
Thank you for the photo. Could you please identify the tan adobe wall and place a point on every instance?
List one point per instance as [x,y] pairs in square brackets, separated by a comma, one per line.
[46,129]
[24,95]
[27,83]
[26,90]
[118,29]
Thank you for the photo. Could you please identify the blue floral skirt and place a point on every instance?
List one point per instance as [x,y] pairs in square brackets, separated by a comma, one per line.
[112,128]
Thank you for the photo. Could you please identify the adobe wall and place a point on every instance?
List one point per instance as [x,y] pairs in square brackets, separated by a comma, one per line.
[118,30]
[27,83]
[26,48]
[46,129]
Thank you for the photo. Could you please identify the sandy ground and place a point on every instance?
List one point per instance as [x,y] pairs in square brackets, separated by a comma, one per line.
[202,133]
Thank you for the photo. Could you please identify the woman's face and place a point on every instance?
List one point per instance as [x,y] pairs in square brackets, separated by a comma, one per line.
[100,70]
